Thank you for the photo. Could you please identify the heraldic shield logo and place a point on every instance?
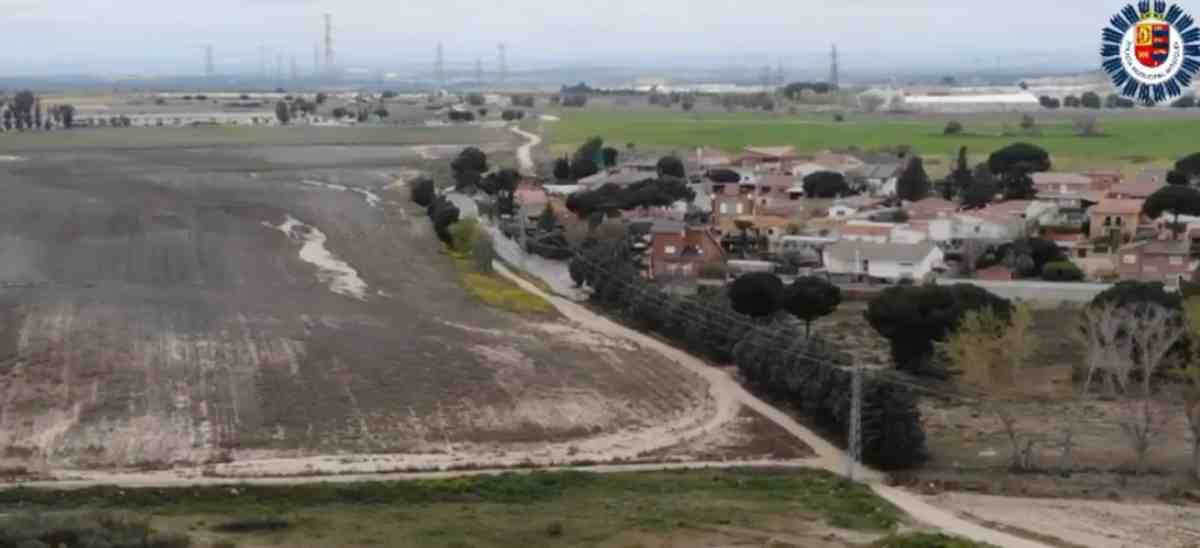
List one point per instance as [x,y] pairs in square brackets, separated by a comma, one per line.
[1152,52]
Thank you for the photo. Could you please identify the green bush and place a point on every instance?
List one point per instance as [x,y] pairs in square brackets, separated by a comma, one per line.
[483,252]
[1062,271]
[78,530]
[463,235]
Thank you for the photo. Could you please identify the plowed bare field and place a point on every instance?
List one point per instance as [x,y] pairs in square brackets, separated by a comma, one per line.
[183,306]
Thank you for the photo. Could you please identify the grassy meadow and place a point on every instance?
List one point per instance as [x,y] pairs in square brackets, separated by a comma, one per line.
[1129,142]
[629,510]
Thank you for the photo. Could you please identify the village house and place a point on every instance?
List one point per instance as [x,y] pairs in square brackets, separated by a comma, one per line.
[767,158]
[866,231]
[1115,215]
[890,261]
[877,179]
[1053,183]
[776,187]
[708,158]
[1166,261]
[836,161]
[1103,179]
[1134,191]
[931,208]
[678,250]
[951,233]
[618,177]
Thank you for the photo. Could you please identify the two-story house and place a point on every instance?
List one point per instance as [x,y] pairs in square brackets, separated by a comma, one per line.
[1166,261]
[1122,216]
[679,250]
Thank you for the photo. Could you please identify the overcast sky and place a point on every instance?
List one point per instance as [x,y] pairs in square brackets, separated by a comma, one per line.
[48,36]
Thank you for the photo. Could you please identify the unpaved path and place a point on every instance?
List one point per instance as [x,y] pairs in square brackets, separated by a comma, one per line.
[1091,523]
[525,151]
[830,458]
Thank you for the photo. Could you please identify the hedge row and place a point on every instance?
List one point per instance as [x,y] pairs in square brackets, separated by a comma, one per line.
[810,376]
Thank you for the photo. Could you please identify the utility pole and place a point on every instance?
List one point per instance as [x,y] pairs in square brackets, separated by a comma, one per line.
[779,78]
[329,64]
[854,447]
[765,78]
[479,72]
[278,68]
[833,68]
[439,67]
[295,70]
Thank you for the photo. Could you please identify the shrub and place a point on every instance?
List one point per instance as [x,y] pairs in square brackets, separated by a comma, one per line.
[1062,271]
[953,127]
[555,529]
[252,525]
[422,191]
[483,252]
[463,235]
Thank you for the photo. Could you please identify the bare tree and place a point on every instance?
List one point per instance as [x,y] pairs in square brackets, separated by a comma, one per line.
[1148,332]
[1143,420]
[1108,350]
[1154,331]
[991,352]
[1191,378]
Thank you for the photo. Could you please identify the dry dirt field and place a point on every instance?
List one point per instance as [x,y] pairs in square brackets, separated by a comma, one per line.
[286,306]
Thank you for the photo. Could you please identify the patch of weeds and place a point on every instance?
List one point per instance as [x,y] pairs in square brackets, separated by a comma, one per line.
[77,530]
[555,529]
[480,281]
[253,525]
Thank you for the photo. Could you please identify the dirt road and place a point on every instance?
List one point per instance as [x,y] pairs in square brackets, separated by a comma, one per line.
[525,152]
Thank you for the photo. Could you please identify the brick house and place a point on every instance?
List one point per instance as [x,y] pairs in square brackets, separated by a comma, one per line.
[679,250]
[1166,261]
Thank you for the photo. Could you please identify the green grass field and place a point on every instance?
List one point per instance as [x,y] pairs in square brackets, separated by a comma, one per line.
[1128,142]
[167,137]
[537,510]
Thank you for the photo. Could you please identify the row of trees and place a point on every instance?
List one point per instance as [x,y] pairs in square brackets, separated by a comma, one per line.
[1086,100]
[24,111]
[749,324]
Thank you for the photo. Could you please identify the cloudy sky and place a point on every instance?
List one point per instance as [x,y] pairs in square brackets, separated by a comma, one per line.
[48,36]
